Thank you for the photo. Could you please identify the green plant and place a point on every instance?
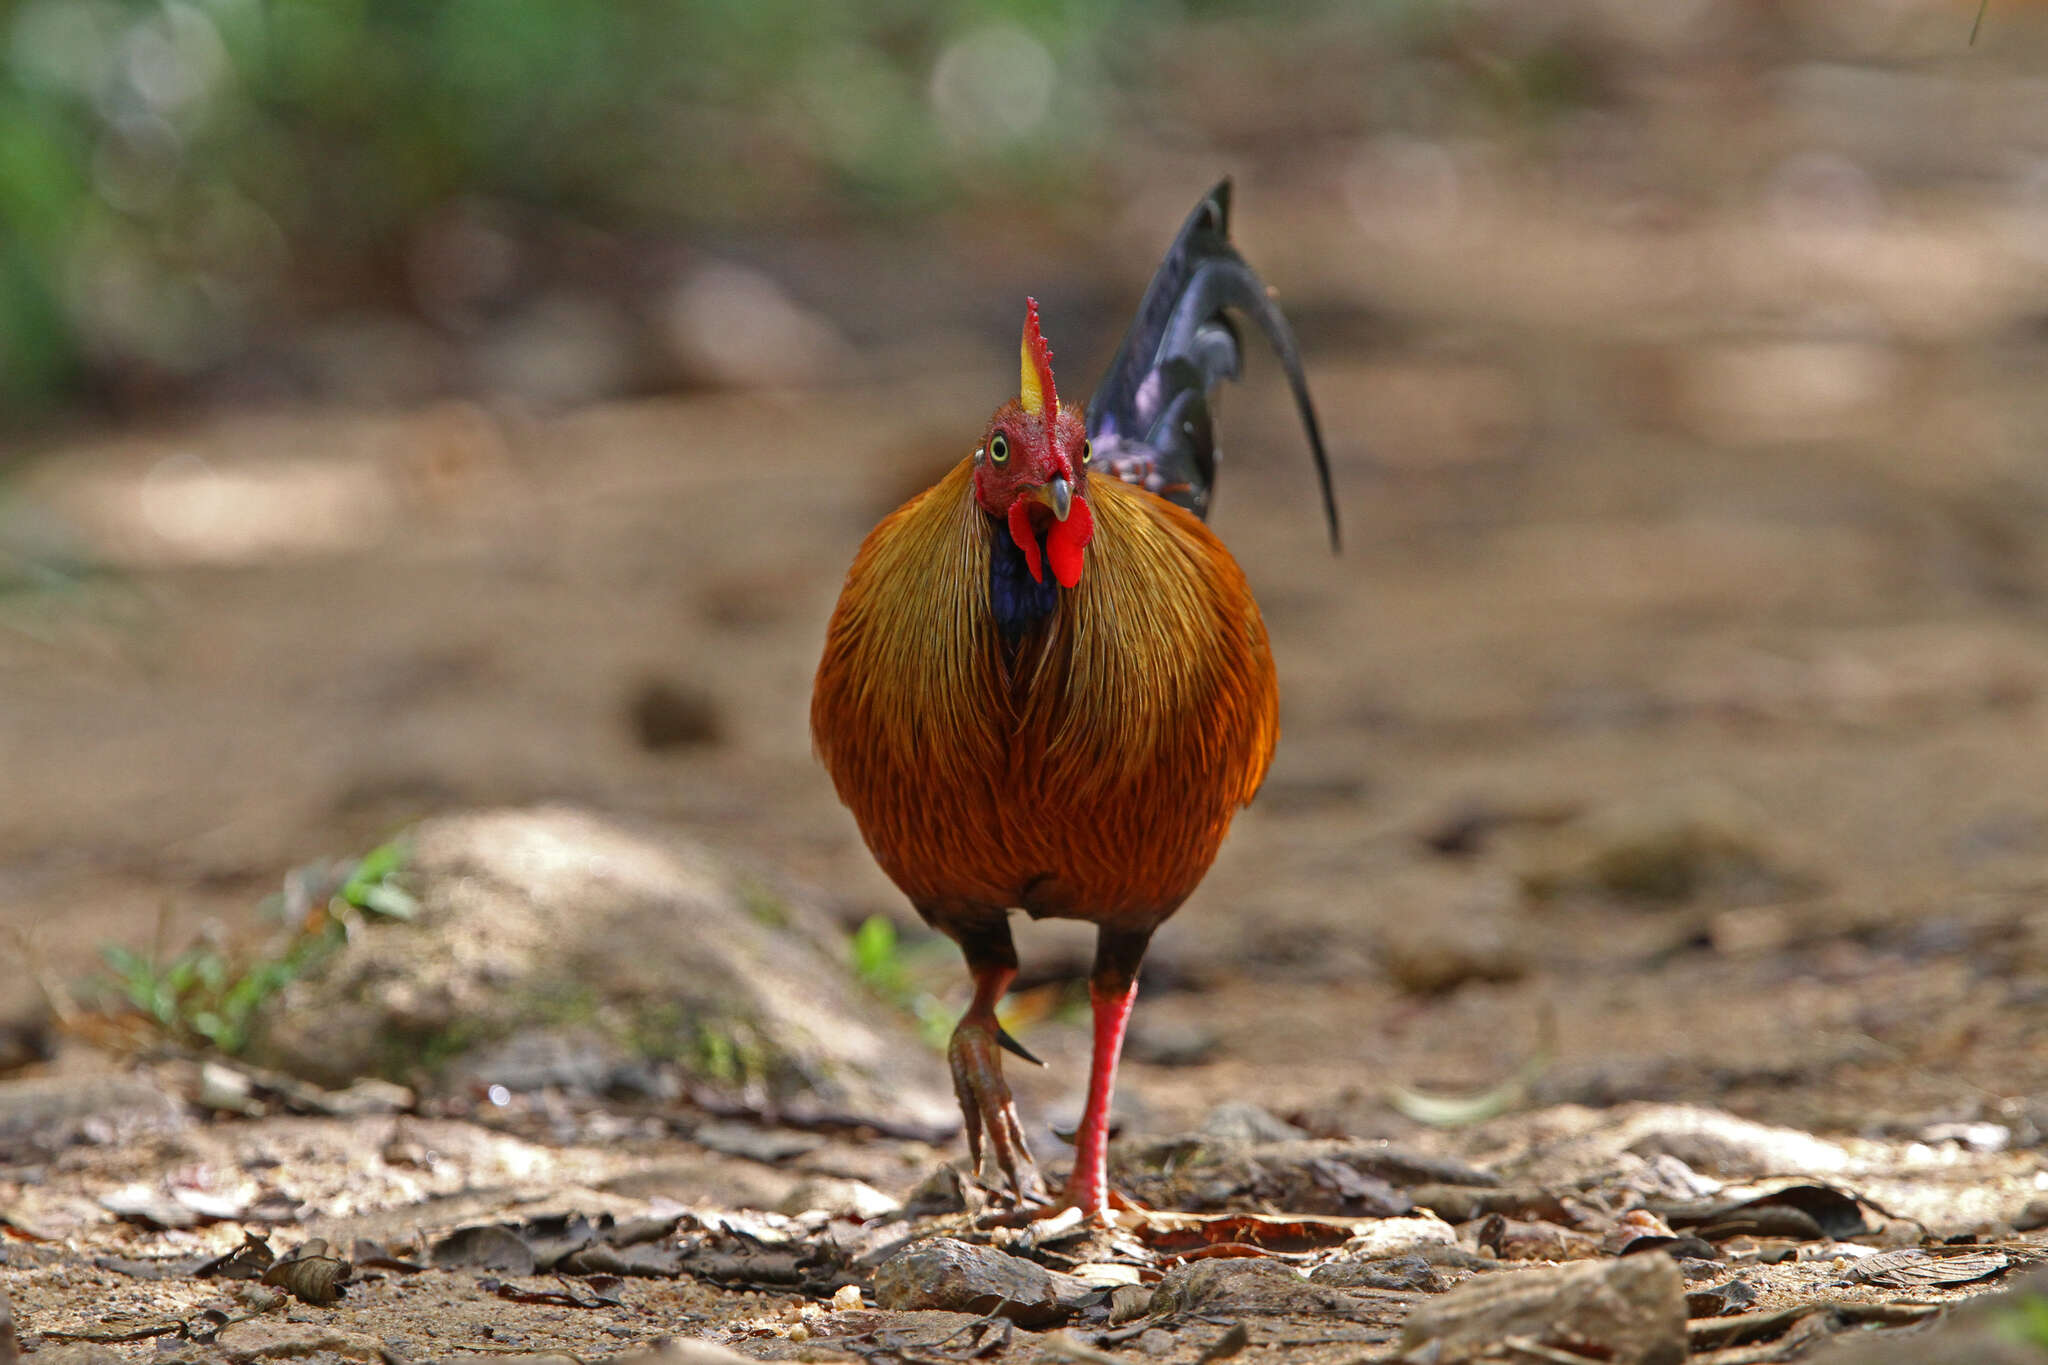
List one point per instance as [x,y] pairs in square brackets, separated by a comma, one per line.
[2025,1319]
[881,962]
[209,995]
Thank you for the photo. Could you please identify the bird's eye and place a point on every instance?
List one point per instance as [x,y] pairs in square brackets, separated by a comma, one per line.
[998,449]
[1087,451]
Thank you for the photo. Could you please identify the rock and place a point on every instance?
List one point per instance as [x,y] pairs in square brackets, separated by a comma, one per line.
[963,1278]
[1249,1285]
[1427,1237]
[270,1339]
[1444,926]
[581,1061]
[1159,1043]
[648,942]
[1241,1121]
[1726,1145]
[752,1142]
[1629,1311]
[855,1199]
[43,1114]
[1410,1273]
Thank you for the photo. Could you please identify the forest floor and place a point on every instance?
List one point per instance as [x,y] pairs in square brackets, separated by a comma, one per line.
[1665,759]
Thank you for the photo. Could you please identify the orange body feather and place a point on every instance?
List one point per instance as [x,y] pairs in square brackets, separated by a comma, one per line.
[1089,773]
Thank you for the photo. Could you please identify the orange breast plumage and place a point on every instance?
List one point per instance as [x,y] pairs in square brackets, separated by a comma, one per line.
[1089,771]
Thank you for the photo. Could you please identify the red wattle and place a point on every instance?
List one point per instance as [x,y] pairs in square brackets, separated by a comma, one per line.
[1068,539]
[1026,538]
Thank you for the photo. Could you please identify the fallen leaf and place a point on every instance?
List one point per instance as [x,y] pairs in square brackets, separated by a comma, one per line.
[1914,1268]
[310,1275]
[246,1262]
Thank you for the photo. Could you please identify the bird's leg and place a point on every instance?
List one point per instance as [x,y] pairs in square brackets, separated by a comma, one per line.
[985,1103]
[1112,988]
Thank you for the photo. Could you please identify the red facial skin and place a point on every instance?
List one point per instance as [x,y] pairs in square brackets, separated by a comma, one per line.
[1031,440]
[1014,490]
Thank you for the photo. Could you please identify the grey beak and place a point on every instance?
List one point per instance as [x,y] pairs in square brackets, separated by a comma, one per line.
[1062,495]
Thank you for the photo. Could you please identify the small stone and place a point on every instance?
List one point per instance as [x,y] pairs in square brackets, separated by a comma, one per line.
[959,1276]
[1158,1043]
[846,1298]
[1627,1312]
[1156,1341]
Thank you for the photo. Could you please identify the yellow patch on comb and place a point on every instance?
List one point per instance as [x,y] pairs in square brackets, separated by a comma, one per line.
[1035,391]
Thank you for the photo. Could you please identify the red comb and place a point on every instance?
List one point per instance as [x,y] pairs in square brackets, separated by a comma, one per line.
[1035,383]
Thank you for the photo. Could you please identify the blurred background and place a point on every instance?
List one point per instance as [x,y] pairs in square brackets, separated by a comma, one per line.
[417,407]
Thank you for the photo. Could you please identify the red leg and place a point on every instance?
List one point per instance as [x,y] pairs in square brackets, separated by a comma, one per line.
[1112,990]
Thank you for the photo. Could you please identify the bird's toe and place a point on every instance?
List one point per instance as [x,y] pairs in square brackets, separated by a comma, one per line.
[988,1111]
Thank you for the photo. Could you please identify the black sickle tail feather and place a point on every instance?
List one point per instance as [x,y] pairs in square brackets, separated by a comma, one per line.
[1151,419]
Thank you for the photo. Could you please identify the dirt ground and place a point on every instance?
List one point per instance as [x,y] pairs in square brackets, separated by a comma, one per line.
[1673,729]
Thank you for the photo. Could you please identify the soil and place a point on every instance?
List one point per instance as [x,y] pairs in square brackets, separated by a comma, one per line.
[1673,730]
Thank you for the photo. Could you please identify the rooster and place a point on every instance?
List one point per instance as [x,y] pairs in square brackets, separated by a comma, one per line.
[1046,685]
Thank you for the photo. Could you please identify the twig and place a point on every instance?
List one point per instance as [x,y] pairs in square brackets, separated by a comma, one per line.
[162,1329]
[1982,5]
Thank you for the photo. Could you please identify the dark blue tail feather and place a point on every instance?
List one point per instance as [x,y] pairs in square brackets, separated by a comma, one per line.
[1152,420]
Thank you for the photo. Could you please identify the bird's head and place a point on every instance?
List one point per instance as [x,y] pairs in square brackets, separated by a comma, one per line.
[1031,469]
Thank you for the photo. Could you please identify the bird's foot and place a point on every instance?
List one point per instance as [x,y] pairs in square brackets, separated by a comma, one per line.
[988,1110]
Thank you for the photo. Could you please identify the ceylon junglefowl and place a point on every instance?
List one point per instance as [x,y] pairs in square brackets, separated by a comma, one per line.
[1046,685]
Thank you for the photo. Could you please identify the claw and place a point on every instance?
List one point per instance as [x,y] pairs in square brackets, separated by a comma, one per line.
[988,1110]
[1013,1047]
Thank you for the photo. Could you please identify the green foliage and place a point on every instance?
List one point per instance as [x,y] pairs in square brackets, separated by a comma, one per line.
[2025,1319]
[175,173]
[882,963]
[208,995]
